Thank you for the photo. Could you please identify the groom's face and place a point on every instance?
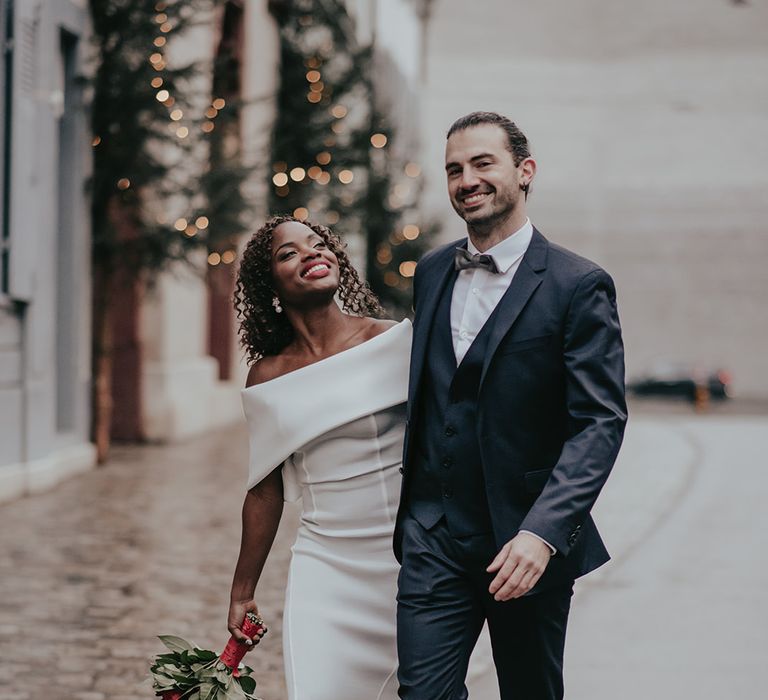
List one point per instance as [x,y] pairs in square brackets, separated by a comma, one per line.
[483,180]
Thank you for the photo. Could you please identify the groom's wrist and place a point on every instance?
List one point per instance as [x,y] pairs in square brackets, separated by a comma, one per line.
[552,550]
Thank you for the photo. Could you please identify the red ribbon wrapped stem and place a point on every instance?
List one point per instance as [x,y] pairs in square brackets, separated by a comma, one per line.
[234,652]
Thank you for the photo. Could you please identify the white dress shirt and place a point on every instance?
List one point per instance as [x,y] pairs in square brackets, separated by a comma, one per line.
[477,292]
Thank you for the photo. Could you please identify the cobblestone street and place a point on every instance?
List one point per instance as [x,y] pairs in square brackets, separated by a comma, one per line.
[91,572]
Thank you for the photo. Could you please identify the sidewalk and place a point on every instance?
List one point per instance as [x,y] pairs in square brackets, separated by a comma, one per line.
[92,571]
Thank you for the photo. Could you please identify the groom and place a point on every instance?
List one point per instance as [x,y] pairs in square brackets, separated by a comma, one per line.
[516,413]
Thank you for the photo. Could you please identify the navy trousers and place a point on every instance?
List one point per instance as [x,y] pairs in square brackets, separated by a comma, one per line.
[442,603]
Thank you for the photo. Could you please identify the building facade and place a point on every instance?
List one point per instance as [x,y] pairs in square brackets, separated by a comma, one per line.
[192,374]
[188,369]
[44,269]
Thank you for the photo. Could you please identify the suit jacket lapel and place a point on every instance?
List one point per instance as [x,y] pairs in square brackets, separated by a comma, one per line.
[527,278]
[433,287]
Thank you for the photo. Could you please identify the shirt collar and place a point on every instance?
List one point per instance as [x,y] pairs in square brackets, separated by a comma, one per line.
[507,252]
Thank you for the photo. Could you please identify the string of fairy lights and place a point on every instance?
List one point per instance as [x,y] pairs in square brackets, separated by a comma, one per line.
[179,127]
[322,172]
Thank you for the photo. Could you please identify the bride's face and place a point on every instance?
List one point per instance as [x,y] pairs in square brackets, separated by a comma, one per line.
[304,269]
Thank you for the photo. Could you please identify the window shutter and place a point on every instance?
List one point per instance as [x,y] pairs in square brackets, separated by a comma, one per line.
[26,201]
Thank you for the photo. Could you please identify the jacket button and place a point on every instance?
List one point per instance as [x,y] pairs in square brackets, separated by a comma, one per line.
[450,430]
[447,492]
[401,470]
[447,463]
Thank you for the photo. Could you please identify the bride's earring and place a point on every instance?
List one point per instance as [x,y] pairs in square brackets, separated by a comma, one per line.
[276,305]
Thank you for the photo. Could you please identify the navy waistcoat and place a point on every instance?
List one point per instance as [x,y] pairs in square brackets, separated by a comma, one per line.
[448,478]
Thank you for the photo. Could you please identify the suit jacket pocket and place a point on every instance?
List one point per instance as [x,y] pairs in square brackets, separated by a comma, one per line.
[535,480]
[539,341]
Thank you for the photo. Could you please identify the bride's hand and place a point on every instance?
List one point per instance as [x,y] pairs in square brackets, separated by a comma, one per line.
[237,610]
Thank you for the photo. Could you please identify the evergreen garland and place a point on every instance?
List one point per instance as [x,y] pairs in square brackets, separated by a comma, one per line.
[331,148]
[150,152]
[156,151]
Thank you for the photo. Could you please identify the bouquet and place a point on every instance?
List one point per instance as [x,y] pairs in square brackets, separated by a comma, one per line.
[187,672]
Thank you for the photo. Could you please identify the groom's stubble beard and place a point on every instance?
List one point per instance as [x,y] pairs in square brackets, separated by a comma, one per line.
[503,209]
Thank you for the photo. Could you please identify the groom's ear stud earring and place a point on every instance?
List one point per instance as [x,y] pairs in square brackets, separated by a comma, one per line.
[276,305]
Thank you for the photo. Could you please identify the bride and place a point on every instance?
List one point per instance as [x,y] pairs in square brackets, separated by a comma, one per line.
[325,405]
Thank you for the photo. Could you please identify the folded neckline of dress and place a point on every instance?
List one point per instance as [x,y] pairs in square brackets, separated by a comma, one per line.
[365,378]
[339,355]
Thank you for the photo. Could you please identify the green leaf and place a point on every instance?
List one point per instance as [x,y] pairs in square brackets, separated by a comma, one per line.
[173,643]
[247,683]
[185,682]
[208,691]
[234,692]
[223,676]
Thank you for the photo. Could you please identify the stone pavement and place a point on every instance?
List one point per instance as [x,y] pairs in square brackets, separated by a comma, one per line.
[90,573]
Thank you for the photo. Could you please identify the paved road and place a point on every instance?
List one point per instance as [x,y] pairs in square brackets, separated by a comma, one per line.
[91,572]
[682,613]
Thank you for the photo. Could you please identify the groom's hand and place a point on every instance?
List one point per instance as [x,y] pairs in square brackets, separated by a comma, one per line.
[519,565]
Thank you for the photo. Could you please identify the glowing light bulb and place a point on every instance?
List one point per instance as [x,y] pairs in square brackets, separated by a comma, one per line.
[413,170]
[411,232]
[378,140]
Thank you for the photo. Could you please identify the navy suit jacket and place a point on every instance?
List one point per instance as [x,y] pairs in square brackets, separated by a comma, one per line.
[551,405]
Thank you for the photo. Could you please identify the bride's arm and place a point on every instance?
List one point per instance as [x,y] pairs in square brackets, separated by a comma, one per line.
[262,509]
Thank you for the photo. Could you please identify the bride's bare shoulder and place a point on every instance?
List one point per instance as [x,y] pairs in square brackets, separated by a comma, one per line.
[376,326]
[265,369]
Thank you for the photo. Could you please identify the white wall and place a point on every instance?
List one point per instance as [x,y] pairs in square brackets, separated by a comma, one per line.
[648,124]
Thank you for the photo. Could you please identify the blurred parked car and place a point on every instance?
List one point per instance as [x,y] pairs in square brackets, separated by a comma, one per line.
[680,381]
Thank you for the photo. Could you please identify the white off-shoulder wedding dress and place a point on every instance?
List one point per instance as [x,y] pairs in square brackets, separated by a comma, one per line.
[337,427]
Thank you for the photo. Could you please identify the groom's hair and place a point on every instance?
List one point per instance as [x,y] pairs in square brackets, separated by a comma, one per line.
[517,143]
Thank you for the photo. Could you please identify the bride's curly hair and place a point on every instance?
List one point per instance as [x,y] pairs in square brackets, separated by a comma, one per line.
[263,331]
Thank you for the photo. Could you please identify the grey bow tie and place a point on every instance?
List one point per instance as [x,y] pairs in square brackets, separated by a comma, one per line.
[465,260]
